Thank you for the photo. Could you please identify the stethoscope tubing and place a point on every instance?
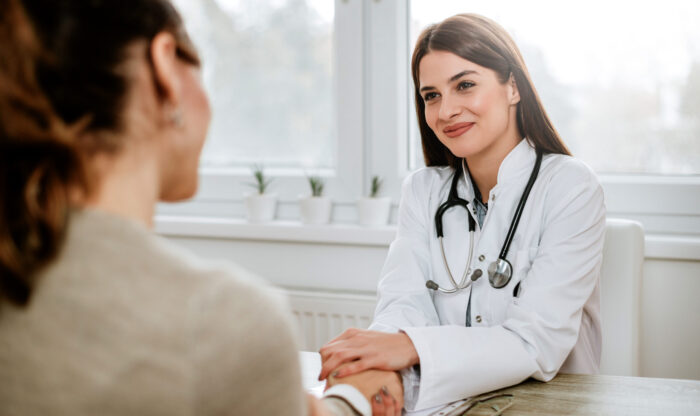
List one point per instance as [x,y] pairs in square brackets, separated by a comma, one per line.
[463,283]
[521,206]
[500,279]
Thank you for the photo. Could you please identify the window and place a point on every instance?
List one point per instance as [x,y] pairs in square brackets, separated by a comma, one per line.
[285,79]
[268,66]
[620,80]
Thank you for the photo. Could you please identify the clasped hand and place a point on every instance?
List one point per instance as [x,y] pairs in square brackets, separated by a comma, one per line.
[369,361]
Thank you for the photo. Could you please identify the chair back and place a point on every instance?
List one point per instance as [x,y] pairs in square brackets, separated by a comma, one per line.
[620,284]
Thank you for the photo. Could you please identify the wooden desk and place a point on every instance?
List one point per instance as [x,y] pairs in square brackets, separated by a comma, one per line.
[570,394]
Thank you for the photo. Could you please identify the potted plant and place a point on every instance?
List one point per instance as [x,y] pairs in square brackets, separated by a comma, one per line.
[260,206]
[316,208]
[373,210]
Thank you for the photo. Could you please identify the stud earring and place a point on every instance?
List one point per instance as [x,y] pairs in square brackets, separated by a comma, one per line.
[176,118]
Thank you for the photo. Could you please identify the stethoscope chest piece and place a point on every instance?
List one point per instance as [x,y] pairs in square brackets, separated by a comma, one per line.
[500,272]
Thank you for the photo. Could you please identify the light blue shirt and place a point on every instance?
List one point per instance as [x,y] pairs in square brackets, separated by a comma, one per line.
[481,210]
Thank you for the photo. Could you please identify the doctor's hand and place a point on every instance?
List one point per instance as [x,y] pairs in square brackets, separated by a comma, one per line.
[383,389]
[362,349]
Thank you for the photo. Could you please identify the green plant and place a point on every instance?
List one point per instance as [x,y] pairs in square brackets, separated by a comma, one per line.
[261,182]
[316,184]
[376,186]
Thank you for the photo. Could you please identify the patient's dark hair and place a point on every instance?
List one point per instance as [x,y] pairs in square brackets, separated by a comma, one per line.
[60,76]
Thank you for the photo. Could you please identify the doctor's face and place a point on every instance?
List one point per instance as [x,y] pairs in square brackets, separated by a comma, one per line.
[467,106]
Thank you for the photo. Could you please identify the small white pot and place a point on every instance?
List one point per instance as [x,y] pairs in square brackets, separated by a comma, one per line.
[315,209]
[374,212]
[260,207]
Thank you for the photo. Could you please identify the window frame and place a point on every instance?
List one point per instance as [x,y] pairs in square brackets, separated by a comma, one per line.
[372,76]
[222,190]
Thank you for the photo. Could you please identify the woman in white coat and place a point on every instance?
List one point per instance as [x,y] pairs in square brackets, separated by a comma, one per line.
[485,134]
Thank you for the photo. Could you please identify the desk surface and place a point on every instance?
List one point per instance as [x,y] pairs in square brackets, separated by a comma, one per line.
[570,394]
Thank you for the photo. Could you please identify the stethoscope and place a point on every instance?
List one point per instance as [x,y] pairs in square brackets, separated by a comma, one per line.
[499,271]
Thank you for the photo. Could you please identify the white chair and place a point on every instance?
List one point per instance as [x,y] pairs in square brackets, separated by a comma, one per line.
[621,277]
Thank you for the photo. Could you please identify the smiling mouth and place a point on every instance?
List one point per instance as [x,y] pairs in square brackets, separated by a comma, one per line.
[457,129]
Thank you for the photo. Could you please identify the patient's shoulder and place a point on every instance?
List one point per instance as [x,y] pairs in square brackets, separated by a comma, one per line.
[240,334]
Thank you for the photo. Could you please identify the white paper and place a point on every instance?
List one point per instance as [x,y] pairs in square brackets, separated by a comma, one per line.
[310,369]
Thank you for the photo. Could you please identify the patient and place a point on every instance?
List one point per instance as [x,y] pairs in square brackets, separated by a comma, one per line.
[102,114]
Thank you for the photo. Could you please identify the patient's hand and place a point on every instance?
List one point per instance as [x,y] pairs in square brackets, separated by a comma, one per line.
[316,407]
[370,384]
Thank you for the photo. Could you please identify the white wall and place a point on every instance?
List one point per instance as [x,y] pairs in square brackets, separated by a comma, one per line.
[348,259]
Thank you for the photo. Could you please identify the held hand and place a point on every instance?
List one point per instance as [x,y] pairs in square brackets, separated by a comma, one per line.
[363,349]
[316,407]
[383,389]
[384,404]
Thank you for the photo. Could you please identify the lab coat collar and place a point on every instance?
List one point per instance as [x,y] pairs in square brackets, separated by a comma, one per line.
[517,164]
[467,183]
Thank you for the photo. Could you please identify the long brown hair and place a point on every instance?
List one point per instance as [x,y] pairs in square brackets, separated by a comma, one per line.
[59,76]
[485,43]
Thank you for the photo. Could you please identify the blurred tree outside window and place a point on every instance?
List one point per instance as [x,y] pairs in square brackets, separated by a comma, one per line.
[267,66]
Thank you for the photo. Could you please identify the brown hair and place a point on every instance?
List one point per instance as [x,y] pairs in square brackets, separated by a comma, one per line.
[59,77]
[485,43]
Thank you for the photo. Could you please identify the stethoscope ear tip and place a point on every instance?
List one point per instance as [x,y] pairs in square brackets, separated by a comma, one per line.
[477,274]
[431,285]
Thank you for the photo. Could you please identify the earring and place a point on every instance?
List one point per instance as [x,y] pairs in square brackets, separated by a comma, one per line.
[176,118]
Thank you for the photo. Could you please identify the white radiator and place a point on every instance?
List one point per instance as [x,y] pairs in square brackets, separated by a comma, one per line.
[322,316]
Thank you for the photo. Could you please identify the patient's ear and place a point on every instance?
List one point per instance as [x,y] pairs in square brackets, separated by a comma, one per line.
[163,53]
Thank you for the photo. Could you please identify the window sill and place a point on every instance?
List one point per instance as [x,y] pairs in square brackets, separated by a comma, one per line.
[288,231]
[656,246]
[676,247]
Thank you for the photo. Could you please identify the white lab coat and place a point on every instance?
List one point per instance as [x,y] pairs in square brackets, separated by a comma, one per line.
[552,325]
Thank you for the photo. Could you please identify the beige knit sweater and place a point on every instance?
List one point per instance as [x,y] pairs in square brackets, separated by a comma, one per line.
[124,323]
